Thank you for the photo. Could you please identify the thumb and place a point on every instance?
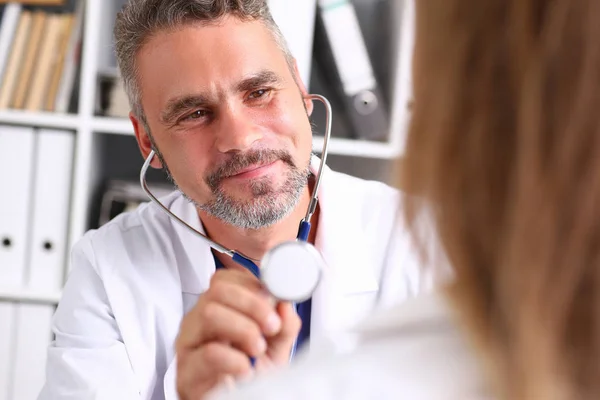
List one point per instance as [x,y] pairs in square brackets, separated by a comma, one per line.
[280,345]
[290,320]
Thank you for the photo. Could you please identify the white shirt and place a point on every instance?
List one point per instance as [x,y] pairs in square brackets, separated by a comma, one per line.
[133,280]
[412,352]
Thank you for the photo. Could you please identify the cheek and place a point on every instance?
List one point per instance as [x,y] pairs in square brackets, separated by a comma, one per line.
[190,164]
[288,120]
[197,160]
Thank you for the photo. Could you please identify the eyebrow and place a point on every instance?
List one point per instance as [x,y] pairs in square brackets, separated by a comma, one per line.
[262,78]
[180,104]
[177,105]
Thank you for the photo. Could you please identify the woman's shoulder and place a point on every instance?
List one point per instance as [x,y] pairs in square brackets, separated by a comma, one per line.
[414,350]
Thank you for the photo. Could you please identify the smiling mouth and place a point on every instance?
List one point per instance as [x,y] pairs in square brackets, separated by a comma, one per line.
[254,170]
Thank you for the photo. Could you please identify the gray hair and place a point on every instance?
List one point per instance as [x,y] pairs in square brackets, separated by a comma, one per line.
[138,20]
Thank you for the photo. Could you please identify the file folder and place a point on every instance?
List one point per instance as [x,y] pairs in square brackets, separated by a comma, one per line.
[7,345]
[50,211]
[34,335]
[362,96]
[296,20]
[16,164]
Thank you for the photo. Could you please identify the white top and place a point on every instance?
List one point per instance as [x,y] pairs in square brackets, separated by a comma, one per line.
[132,281]
[413,352]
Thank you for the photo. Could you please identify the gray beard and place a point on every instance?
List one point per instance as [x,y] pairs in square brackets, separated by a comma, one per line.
[267,207]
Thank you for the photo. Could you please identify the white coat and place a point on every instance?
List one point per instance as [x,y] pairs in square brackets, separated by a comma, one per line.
[132,281]
[415,351]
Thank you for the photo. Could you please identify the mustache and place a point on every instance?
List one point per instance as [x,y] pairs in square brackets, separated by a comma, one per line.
[240,161]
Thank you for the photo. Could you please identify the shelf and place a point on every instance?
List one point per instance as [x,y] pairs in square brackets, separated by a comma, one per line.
[118,126]
[28,295]
[356,148]
[337,146]
[42,119]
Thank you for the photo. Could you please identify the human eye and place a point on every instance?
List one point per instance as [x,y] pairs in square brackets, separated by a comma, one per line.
[197,114]
[258,94]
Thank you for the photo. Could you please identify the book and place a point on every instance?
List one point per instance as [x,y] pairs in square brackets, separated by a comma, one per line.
[44,63]
[17,52]
[38,25]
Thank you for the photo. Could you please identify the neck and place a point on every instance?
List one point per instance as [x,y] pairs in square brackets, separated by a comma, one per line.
[255,243]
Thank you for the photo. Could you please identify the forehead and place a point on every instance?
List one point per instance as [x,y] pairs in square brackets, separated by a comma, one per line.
[206,57]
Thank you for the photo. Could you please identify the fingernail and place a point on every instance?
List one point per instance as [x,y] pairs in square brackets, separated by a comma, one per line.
[273,324]
[247,377]
[228,383]
[261,345]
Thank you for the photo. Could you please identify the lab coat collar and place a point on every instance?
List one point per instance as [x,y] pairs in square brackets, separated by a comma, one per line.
[339,239]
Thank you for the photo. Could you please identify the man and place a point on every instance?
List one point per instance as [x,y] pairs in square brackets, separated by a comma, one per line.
[149,311]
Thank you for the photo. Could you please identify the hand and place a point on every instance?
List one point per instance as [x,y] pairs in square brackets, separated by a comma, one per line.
[233,320]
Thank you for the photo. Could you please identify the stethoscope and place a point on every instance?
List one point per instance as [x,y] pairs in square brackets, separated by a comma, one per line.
[291,270]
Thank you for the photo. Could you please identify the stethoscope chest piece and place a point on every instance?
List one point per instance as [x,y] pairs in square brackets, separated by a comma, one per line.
[291,271]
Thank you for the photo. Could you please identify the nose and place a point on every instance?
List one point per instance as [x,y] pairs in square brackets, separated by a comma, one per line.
[237,131]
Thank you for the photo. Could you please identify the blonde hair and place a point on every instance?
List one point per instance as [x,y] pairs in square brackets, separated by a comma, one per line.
[505,142]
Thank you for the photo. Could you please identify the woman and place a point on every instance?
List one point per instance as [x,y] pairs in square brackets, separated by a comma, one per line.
[505,144]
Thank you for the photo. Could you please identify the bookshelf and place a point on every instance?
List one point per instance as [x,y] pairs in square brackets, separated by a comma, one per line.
[30,296]
[41,118]
[90,129]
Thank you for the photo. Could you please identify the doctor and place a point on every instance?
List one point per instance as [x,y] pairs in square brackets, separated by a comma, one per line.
[149,311]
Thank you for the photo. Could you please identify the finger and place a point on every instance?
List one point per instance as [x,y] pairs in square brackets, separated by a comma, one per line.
[201,370]
[280,346]
[241,276]
[219,322]
[250,301]
[255,304]
[194,326]
[227,382]
[291,322]
[230,277]
[244,278]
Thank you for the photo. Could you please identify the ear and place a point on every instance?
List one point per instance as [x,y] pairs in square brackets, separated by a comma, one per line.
[307,102]
[143,140]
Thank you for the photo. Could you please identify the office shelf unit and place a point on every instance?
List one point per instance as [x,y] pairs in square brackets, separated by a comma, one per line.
[296,19]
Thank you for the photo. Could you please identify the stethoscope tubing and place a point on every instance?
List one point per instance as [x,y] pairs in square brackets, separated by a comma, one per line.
[303,229]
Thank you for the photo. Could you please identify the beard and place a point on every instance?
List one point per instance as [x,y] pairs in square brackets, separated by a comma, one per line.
[267,204]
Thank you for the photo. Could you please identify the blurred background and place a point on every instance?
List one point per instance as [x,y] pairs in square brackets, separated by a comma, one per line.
[69,161]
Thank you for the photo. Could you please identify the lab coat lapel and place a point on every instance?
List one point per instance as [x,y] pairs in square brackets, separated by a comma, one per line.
[196,266]
[349,285]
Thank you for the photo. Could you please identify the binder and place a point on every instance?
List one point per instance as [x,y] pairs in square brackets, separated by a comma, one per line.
[296,20]
[362,96]
[34,335]
[7,316]
[16,164]
[50,209]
